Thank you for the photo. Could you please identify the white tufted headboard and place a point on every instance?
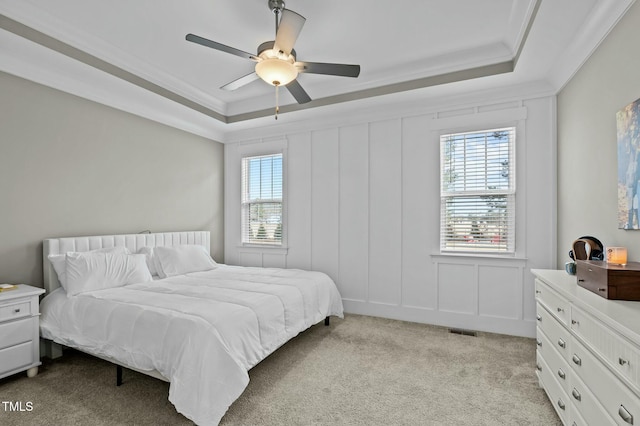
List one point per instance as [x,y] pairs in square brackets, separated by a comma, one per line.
[131,241]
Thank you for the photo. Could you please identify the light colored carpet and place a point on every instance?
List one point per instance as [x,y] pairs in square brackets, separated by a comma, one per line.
[358,371]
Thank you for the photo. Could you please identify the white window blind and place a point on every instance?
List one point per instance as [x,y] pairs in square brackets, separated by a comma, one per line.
[477,207]
[262,178]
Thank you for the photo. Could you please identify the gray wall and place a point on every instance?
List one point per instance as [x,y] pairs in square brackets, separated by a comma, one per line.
[587,156]
[70,167]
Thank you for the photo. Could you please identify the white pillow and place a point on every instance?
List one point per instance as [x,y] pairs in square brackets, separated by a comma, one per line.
[177,260]
[95,271]
[58,261]
[149,258]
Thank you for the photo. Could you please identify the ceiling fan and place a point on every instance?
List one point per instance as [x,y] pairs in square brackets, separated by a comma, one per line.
[276,59]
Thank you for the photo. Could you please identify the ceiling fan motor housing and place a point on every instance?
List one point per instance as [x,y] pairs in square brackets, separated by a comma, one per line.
[276,6]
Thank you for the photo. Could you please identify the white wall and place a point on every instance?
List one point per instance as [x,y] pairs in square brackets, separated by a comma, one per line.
[587,140]
[363,207]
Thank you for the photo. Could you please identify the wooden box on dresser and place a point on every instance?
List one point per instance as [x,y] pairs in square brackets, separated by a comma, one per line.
[20,330]
[588,353]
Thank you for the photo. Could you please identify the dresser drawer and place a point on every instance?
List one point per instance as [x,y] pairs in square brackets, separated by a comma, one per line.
[16,357]
[556,304]
[15,332]
[621,354]
[558,366]
[585,403]
[557,396]
[558,335]
[617,400]
[15,310]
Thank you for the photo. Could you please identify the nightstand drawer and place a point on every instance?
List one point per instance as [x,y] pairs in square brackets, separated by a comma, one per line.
[17,356]
[16,332]
[15,310]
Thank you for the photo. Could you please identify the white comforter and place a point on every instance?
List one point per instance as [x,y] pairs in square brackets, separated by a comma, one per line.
[202,331]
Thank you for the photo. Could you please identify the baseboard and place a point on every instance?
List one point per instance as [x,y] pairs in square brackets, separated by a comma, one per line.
[509,326]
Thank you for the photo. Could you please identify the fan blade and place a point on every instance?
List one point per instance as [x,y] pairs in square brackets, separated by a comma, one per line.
[242,81]
[298,92]
[290,26]
[218,46]
[342,70]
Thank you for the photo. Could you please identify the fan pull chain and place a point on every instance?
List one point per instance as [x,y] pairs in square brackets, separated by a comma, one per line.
[277,107]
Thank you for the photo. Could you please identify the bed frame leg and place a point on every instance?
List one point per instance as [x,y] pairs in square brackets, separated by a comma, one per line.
[326,321]
[118,375]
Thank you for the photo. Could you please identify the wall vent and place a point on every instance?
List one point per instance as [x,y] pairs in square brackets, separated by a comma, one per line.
[463,332]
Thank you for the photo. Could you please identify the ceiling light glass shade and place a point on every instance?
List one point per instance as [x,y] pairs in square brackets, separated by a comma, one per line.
[277,72]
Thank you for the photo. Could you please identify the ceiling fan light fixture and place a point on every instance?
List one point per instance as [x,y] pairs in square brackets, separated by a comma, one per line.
[276,72]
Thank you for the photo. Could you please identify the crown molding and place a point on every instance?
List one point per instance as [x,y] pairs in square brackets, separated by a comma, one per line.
[602,19]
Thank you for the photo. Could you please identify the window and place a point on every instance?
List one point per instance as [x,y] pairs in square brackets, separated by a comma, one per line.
[477,204]
[262,178]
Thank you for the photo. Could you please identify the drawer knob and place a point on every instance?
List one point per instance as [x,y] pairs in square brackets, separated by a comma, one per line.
[580,280]
[562,406]
[561,374]
[602,289]
[560,310]
[576,360]
[576,394]
[539,343]
[622,361]
[16,311]
[626,416]
[574,322]
[538,367]
[538,317]
[562,343]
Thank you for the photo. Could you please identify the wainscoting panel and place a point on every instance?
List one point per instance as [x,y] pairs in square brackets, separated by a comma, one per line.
[498,287]
[354,205]
[420,213]
[325,190]
[298,205]
[385,212]
[457,288]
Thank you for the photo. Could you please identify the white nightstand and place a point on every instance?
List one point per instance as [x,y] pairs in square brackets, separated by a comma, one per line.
[19,330]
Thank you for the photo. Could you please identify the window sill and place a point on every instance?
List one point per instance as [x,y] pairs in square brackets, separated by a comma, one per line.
[259,248]
[510,257]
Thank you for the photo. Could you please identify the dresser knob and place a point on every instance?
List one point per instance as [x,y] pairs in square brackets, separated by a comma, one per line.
[574,322]
[538,367]
[622,361]
[16,311]
[576,360]
[626,416]
[561,404]
[576,394]
[562,343]
[602,289]
[560,310]
[561,374]
[538,317]
[539,343]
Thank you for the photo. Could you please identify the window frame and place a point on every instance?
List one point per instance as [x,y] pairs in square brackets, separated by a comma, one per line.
[510,193]
[255,153]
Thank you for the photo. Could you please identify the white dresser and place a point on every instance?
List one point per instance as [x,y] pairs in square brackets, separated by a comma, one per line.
[19,330]
[588,354]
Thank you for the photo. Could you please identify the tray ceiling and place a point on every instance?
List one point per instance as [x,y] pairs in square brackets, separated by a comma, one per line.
[139,48]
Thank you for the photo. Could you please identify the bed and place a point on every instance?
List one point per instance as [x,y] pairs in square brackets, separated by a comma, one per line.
[179,316]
